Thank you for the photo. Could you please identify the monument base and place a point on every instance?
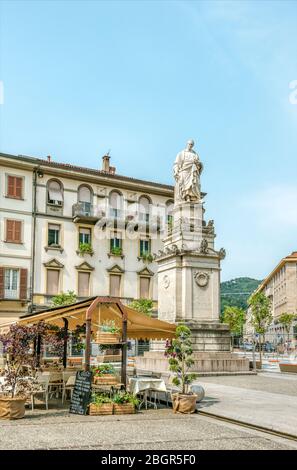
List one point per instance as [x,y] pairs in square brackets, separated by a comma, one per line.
[205,363]
[211,352]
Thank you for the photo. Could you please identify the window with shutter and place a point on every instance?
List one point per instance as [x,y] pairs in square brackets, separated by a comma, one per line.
[83,284]
[115,285]
[52,285]
[14,187]
[13,231]
[11,284]
[144,287]
[84,235]
[23,283]
[55,193]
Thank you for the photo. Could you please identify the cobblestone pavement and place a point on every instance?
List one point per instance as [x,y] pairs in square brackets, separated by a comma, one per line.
[148,430]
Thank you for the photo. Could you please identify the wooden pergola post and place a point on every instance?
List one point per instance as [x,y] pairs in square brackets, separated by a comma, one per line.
[65,342]
[124,346]
[38,350]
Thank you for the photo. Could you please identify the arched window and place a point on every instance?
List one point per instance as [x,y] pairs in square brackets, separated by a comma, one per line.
[55,193]
[115,203]
[85,198]
[144,208]
[169,215]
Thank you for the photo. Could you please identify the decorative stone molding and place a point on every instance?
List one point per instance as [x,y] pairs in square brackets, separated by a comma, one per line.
[222,253]
[146,272]
[201,278]
[84,267]
[166,281]
[53,263]
[55,248]
[204,246]
[116,269]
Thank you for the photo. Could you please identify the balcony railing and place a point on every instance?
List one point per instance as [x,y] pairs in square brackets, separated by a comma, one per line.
[86,211]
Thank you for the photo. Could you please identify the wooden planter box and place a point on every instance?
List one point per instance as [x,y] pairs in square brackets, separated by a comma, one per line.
[12,408]
[106,379]
[284,367]
[124,409]
[103,337]
[111,358]
[98,410]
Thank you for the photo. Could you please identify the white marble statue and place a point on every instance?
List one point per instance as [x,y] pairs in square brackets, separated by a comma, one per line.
[187,169]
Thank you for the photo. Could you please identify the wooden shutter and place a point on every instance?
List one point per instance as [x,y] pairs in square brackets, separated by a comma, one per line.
[18,187]
[115,285]
[144,287]
[14,231]
[14,187]
[23,283]
[83,284]
[1,282]
[52,287]
[9,230]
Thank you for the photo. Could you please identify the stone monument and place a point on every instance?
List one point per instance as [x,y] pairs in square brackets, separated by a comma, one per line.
[189,276]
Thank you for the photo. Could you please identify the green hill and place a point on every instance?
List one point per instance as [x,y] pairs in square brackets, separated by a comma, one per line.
[237,291]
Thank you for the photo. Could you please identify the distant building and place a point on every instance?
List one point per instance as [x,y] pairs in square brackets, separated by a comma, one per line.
[280,286]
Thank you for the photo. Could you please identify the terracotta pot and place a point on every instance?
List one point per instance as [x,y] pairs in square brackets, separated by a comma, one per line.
[98,410]
[12,408]
[124,409]
[183,403]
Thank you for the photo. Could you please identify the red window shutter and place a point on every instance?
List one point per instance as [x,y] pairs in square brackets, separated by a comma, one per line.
[18,231]
[15,187]
[10,230]
[18,187]
[1,282]
[23,283]
[10,186]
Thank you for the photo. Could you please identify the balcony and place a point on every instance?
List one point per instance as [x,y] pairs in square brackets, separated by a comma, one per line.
[86,212]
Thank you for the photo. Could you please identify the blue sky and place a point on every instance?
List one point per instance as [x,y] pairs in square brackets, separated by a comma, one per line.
[140,78]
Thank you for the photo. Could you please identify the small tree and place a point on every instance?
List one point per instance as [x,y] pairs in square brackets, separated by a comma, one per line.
[179,352]
[261,315]
[143,306]
[235,319]
[286,320]
[65,298]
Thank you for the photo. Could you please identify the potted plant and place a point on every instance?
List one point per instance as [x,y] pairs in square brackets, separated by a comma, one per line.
[147,257]
[104,374]
[179,352]
[116,251]
[124,403]
[101,404]
[17,386]
[85,248]
[108,333]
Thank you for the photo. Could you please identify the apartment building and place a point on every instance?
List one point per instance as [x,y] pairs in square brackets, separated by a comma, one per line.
[65,227]
[281,287]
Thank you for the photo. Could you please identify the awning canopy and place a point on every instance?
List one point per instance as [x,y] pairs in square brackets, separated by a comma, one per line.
[139,325]
[5,323]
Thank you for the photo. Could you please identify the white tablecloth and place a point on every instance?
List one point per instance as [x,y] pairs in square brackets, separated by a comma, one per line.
[140,384]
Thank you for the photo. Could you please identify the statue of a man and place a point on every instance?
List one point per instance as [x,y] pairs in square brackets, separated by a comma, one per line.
[187,169]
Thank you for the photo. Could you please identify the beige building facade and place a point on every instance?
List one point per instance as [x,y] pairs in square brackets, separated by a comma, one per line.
[68,228]
[281,288]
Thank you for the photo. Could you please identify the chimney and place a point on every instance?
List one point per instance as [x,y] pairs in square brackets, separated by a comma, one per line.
[49,158]
[105,163]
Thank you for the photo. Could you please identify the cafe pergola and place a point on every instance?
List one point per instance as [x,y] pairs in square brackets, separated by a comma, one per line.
[93,312]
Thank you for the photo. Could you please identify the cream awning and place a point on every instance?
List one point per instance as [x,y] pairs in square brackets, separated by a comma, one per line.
[139,326]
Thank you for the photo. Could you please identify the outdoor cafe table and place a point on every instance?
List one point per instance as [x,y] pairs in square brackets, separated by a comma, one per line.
[145,385]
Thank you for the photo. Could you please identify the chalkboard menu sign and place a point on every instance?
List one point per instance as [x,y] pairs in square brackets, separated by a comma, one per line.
[81,393]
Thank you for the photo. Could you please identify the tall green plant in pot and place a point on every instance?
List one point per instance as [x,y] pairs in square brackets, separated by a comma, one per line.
[179,352]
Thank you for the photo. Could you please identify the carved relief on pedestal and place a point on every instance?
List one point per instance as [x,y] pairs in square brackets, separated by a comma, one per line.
[166,281]
[201,278]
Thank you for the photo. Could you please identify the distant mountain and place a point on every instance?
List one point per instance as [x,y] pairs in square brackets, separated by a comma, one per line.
[237,291]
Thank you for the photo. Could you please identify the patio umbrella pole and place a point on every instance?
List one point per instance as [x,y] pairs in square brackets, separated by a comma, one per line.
[38,350]
[65,335]
[88,344]
[124,352]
